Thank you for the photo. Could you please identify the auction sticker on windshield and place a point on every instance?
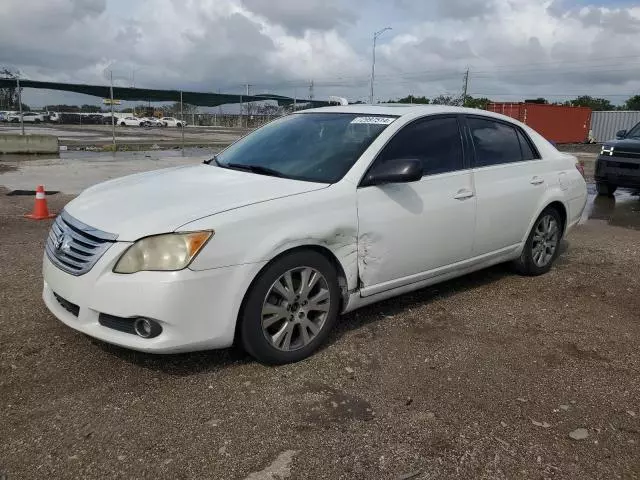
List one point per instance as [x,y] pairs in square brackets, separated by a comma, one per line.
[374,120]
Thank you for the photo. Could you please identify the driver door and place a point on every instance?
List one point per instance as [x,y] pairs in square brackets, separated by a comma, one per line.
[409,231]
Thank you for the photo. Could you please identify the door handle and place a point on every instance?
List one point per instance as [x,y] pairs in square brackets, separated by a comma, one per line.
[463,194]
[537,180]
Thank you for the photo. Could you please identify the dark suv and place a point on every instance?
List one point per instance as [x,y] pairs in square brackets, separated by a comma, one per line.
[618,164]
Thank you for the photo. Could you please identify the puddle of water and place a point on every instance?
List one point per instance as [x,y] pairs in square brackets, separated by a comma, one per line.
[621,210]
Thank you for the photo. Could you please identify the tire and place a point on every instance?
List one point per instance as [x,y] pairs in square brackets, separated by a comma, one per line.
[605,189]
[530,263]
[123,124]
[303,340]
[37,120]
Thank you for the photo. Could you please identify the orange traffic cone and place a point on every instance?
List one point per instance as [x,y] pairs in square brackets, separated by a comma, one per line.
[40,209]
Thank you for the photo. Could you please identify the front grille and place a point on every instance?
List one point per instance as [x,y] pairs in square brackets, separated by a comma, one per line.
[628,166]
[67,305]
[623,154]
[117,323]
[74,246]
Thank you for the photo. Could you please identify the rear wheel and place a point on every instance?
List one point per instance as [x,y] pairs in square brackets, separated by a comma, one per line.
[290,308]
[543,244]
[605,188]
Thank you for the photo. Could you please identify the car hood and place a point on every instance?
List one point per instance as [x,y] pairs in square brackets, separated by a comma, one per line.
[625,144]
[163,200]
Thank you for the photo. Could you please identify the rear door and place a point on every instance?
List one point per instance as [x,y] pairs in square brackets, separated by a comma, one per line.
[510,179]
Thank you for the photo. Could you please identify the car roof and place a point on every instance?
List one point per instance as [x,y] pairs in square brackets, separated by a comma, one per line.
[402,109]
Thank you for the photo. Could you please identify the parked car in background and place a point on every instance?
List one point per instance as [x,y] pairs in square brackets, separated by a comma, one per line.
[27,117]
[53,117]
[131,122]
[109,119]
[173,122]
[153,122]
[389,199]
[618,164]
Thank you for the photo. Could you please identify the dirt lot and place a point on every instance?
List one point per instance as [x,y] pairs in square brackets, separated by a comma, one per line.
[482,377]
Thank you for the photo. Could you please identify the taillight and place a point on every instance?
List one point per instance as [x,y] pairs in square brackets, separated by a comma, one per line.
[580,167]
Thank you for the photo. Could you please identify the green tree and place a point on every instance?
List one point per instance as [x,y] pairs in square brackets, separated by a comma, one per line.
[539,100]
[90,108]
[480,103]
[633,103]
[446,100]
[596,104]
[62,108]
[414,99]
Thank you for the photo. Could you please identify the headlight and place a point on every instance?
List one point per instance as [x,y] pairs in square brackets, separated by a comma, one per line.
[606,150]
[168,252]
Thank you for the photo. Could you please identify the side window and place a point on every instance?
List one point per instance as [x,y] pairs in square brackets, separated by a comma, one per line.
[436,142]
[495,142]
[527,150]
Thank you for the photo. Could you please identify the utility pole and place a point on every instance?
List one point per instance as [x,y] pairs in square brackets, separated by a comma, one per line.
[182,122]
[373,61]
[465,85]
[113,120]
[248,105]
[311,91]
[295,95]
[20,102]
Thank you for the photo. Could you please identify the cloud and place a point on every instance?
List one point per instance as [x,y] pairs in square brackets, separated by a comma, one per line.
[512,47]
[454,9]
[298,16]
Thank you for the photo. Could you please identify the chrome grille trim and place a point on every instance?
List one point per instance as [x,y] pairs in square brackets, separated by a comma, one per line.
[75,247]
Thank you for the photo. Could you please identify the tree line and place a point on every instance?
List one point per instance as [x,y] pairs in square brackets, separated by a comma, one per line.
[594,103]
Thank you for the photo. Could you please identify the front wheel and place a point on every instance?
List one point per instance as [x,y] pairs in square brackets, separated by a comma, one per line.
[605,188]
[542,245]
[290,308]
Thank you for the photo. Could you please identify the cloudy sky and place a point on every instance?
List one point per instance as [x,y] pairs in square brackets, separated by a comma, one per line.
[513,48]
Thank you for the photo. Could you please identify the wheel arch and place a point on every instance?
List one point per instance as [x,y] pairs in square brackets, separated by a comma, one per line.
[561,209]
[322,250]
[556,201]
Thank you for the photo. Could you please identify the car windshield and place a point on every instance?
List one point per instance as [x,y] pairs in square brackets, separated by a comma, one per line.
[634,132]
[315,147]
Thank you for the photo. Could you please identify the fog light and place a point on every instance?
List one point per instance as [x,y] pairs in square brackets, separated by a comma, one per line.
[147,328]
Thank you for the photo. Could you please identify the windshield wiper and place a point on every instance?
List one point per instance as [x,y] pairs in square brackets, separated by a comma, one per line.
[259,169]
[213,159]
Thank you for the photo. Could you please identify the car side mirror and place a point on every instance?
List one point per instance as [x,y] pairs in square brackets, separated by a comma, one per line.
[621,133]
[402,170]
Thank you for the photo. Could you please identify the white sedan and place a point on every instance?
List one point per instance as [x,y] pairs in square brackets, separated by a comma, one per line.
[152,122]
[131,122]
[27,117]
[173,122]
[315,214]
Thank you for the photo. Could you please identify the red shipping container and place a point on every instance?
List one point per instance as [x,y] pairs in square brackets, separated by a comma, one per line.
[556,123]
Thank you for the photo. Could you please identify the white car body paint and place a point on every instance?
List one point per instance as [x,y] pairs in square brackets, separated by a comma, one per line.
[386,239]
[131,121]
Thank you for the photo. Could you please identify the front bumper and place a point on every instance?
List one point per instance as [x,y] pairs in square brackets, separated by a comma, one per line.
[197,310]
[619,171]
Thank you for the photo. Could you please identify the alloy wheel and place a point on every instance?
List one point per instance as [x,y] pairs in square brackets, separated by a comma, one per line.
[295,308]
[545,240]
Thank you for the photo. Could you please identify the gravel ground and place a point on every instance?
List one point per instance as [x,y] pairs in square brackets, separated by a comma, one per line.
[482,377]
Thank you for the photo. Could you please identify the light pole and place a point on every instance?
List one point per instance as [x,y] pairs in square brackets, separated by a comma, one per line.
[373,63]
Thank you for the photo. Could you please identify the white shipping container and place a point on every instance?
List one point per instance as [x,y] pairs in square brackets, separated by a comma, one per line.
[604,125]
